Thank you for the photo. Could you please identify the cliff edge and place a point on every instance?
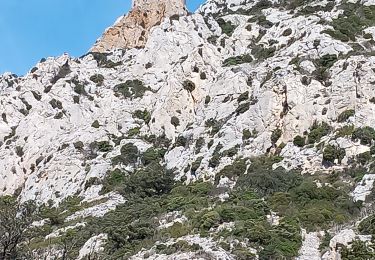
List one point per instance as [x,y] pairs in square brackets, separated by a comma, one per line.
[132,30]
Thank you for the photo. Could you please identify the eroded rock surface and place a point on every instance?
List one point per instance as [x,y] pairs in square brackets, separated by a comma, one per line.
[235,80]
[133,29]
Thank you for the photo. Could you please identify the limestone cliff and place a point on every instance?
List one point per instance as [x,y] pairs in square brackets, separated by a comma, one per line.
[132,30]
[242,131]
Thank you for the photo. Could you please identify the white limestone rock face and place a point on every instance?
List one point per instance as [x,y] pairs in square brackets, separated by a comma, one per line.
[93,246]
[61,231]
[47,132]
[203,86]
[364,188]
[310,246]
[343,238]
[209,250]
[112,201]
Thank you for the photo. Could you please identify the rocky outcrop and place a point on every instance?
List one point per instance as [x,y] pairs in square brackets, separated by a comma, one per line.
[132,30]
[63,106]
[233,81]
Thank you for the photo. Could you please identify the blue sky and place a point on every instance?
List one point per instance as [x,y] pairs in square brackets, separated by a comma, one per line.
[33,29]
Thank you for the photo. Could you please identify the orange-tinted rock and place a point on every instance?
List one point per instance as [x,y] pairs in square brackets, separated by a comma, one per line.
[132,30]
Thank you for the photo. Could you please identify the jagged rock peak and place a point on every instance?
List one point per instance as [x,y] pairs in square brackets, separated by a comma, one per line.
[132,30]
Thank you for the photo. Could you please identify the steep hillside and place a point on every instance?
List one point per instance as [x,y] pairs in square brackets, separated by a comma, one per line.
[242,131]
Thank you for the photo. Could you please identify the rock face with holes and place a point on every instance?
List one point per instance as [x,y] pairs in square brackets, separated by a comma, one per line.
[132,30]
[236,79]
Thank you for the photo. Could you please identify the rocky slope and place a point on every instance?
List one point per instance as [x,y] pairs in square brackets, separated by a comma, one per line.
[132,30]
[206,95]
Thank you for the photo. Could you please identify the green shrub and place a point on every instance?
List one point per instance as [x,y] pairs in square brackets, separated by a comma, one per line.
[226,26]
[80,89]
[261,53]
[180,246]
[237,60]
[333,205]
[152,180]
[364,158]
[346,130]
[195,165]
[214,125]
[19,151]
[372,149]
[331,153]
[246,134]
[323,65]
[231,151]
[356,173]
[53,214]
[103,61]
[189,85]
[113,180]
[325,241]
[143,115]
[285,241]
[152,155]
[214,160]
[317,131]
[264,180]
[260,5]
[287,32]
[307,10]
[97,78]
[134,132]
[216,156]
[244,96]
[299,141]
[207,100]
[327,61]
[232,171]
[202,76]
[56,104]
[242,253]
[345,115]
[129,155]
[95,124]
[358,250]
[76,99]
[261,20]
[242,108]
[59,115]
[352,21]
[199,144]
[176,230]
[276,134]
[255,231]
[64,71]
[102,146]
[181,141]
[365,134]
[212,39]
[78,145]
[209,219]
[367,226]
[175,121]
[151,192]
[132,89]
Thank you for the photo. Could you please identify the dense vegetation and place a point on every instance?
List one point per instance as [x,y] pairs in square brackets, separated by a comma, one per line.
[152,193]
